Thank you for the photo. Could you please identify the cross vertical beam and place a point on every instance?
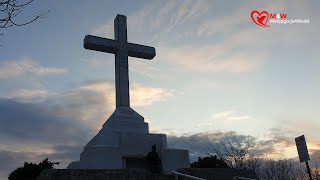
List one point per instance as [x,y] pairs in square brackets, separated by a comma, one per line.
[121,72]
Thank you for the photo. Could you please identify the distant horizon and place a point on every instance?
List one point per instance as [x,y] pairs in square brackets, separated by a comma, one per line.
[216,74]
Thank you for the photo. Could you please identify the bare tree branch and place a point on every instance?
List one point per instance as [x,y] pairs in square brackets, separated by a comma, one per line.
[234,151]
[10,9]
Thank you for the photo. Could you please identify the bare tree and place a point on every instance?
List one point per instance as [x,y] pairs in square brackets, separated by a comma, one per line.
[236,151]
[10,10]
[316,173]
[253,164]
[233,151]
[281,169]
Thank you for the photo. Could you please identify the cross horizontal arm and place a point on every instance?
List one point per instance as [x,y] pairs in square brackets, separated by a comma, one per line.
[110,46]
[141,51]
[100,44]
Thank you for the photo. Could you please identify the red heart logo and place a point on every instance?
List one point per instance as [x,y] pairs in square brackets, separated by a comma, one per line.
[260,18]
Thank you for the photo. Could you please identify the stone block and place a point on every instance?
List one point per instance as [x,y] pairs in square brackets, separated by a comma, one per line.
[173,159]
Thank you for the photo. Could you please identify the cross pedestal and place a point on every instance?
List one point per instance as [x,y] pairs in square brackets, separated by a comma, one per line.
[124,140]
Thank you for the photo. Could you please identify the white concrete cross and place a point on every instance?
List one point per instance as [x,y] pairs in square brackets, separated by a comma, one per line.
[122,49]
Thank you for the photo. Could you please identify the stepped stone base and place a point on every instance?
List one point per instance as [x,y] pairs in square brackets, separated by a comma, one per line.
[124,142]
[97,174]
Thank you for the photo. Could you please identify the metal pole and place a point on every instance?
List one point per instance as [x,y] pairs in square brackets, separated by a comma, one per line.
[176,177]
[309,172]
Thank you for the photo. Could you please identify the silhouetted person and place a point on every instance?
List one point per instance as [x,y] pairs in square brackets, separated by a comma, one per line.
[154,160]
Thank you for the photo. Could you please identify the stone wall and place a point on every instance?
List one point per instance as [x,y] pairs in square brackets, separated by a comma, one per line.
[99,174]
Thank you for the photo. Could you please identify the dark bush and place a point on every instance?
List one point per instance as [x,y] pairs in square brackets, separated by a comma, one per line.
[209,162]
[31,170]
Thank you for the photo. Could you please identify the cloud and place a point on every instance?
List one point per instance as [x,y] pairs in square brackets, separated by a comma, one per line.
[98,86]
[223,24]
[105,30]
[183,12]
[138,66]
[28,130]
[226,116]
[89,108]
[145,96]
[315,158]
[140,95]
[11,160]
[230,116]
[242,46]
[212,58]
[229,55]
[28,122]
[146,69]
[26,66]
[199,144]
[277,143]
[155,15]
[27,93]
[96,61]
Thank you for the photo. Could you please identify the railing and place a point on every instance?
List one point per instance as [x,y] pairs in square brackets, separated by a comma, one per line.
[242,178]
[177,174]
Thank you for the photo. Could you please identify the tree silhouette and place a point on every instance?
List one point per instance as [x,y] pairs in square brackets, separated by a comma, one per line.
[31,170]
[209,162]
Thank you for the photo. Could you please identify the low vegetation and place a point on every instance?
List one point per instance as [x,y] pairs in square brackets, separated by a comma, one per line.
[31,170]
[236,154]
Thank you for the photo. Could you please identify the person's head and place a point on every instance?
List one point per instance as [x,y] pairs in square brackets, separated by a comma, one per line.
[154,148]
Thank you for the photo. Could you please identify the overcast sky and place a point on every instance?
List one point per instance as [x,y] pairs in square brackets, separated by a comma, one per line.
[216,73]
